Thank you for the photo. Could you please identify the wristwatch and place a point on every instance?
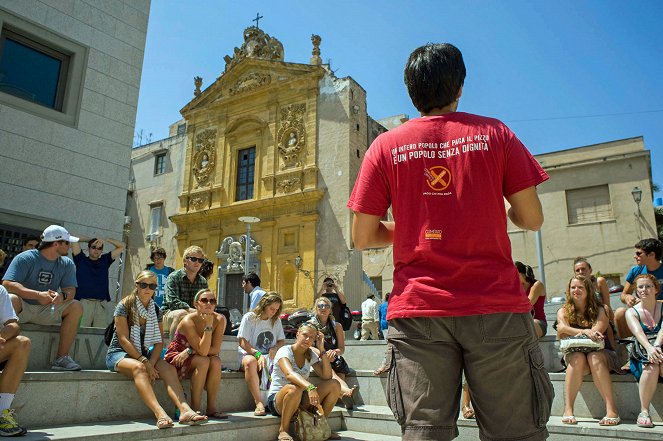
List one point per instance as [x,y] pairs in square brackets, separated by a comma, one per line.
[189,351]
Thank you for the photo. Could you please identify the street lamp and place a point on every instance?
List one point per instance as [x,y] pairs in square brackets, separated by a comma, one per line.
[298,265]
[248,220]
[637,198]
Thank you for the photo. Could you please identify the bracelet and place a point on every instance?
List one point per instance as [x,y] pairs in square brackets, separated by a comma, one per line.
[258,354]
[208,329]
[143,359]
[311,387]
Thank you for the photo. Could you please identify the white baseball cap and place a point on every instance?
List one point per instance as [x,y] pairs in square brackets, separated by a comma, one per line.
[53,233]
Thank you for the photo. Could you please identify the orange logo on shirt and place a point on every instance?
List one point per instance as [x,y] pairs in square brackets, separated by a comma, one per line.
[438,178]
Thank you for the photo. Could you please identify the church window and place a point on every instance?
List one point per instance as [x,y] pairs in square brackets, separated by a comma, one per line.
[181,129]
[155,219]
[589,204]
[246,159]
[160,164]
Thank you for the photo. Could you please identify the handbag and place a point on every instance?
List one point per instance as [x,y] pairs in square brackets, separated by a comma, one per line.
[580,343]
[346,317]
[638,353]
[311,424]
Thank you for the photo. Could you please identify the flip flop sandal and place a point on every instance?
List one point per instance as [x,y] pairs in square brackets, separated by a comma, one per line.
[218,415]
[192,418]
[644,420]
[570,419]
[285,437]
[164,423]
[260,410]
[381,370]
[608,421]
[468,413]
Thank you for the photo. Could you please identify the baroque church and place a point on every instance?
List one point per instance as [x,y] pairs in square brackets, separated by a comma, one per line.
[277,141]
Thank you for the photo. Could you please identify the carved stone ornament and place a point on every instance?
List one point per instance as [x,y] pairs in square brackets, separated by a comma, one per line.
[205,140]
[257,44]
[232,253]
[249,82]
[289,185]
[204,162]
[291,137]
[315,53]
[198,82]
[199,202]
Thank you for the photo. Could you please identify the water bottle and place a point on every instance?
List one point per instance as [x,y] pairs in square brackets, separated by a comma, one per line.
[52,308]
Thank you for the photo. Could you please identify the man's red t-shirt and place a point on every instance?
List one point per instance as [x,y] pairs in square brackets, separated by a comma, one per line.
[446,178]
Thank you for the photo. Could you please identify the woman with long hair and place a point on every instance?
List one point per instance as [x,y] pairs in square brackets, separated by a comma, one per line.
[582,267]
[260,335]
[290,385]
[644,319]
[334,340]
[194,351]
[137,328]
[536,293]
[582,315]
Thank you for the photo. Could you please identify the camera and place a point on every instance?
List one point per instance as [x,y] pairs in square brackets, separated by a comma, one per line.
[330,284]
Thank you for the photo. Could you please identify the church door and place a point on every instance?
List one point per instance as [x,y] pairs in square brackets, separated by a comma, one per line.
[234,292]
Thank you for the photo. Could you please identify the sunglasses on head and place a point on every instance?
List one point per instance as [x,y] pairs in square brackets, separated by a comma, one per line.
[97,248]
[196,259]
[322,306]
[205,301]
[143,285]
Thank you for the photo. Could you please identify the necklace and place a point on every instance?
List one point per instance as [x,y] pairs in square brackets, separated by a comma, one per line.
[650,320]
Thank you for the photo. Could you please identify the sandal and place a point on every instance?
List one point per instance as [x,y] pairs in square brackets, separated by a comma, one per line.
[644,420]
[570,419]
[283,436]
[260,410]
[381,370]
[192,418]
[334,435]
[164,423]
[468,413]
[609,421]
[217,415]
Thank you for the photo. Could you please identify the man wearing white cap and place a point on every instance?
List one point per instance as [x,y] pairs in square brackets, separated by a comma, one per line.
[34,278]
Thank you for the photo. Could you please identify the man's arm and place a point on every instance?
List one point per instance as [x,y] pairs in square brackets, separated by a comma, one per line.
[119,247]
[369,231]
[525,211]
[43,297]
[627,296]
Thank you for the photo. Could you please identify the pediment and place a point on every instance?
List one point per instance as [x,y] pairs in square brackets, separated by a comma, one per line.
[247,76]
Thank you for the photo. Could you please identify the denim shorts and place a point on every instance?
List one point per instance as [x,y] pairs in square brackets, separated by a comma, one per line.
[271,404]
[113,358]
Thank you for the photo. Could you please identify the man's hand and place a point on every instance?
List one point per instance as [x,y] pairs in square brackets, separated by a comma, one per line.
[57,298]
[631,300]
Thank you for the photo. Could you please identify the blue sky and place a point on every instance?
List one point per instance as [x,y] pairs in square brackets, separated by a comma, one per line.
[561,74]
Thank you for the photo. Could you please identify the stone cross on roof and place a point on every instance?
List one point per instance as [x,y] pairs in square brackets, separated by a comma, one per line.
[257,19]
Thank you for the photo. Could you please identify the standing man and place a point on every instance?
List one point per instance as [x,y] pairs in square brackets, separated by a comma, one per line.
[158,267]
[251,285]
[330,290]
[457,301]
[34,278]
[92,278]
[370,319]
[383,316]
[647,261]
[181,288]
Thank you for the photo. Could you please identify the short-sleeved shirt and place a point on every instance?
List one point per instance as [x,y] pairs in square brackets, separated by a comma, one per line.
[383,316]
[121,311]
[7,312]
[255,295]
[162,276]
[34,271]
[261,334]
[445,178]
[642,269]
[278,377]
[179,292]
[92,276]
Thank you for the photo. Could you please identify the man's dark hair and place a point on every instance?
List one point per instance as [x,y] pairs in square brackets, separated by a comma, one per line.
[252,278]
[328,279]
[43,245]
[158,250]
[651,246]
[386,297]
[91,241]
[433,75]
[29,238]
[206,269]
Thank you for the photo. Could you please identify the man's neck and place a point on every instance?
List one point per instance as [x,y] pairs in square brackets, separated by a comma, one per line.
[191,275]
[49,254]
[437,111]
[91,257]
[653,266]
[159,267]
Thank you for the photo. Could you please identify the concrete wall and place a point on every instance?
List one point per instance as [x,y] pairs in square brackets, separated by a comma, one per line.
[72,167]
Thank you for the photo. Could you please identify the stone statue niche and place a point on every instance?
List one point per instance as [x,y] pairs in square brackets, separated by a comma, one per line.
[291,137]
[233,252]
[257,44]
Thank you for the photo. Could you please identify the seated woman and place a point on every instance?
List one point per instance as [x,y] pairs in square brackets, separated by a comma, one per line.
[195,348]
[334,346]
[290,386]
[582,267]
[260,335]
[137,327]
[582,315]
[536,293]
[644,320]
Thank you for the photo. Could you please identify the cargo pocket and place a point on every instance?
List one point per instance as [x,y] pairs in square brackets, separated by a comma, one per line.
[542,388]
[394,393]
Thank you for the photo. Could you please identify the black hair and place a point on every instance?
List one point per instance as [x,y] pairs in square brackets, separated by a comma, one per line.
[29,238]
[91,241]
[526,271]
[328,279]
[252,278]
[651,246]
[157,251]
[206,269]
[434,74]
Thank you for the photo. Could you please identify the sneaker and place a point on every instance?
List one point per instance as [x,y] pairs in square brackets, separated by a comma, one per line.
[65,363]
[8,424]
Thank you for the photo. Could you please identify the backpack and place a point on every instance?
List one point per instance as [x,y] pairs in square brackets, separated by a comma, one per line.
[226,313]
[110,329]
[346,317]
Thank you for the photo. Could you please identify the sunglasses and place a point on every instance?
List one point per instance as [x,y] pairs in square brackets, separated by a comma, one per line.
[97,248]
[143,285]
[196,259]
[159,256]
[322,306]
[205,301]
[639,253]
[66,242]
